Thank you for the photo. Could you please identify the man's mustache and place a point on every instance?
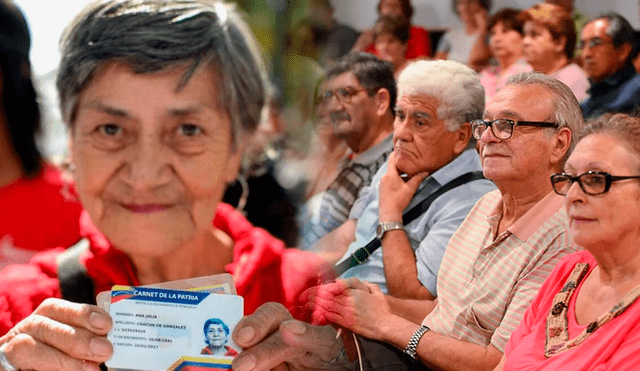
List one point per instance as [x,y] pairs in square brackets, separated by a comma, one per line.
[339,116]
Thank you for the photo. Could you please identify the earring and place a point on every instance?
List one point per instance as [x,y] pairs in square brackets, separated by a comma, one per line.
[242,202]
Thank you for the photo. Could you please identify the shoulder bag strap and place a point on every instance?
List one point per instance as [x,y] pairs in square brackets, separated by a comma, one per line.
[362,254]
[75,283]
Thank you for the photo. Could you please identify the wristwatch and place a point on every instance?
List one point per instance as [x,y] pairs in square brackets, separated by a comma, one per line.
[410,349]
[387,226]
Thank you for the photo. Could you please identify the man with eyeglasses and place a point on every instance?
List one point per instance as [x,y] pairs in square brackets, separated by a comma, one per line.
[608,47]
[433,146]
[492,268]
[360,96]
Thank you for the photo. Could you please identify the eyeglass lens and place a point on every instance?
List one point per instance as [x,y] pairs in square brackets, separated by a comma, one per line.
[591,183]
[342,94]
[501,128]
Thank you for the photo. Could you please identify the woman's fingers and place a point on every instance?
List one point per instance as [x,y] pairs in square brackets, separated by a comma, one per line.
[259,325]
[25,353]
[73,341]
[85,316]
[59,335]
[296,344]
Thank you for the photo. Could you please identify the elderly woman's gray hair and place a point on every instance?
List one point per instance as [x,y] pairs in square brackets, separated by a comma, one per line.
[455,85]
[566,109]
[624,127]
[157,35]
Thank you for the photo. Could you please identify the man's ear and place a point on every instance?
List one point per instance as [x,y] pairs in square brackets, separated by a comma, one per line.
[562,144]
[623,53]
[383,101]
[463,136]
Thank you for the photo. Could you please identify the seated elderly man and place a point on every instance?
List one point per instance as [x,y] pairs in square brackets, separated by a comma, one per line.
[608,48]
[360,95]
[432,137]
[493,266]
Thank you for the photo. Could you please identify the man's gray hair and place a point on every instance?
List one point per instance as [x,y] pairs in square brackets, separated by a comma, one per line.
[159,35]
[455,85]
[566,109]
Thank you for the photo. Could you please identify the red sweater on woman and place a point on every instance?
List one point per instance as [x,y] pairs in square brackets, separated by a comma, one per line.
[263,270]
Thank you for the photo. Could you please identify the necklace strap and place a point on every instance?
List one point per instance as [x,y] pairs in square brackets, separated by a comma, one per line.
[557,326]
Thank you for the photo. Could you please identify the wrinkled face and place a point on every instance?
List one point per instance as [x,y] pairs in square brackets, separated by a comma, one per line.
[422,141]
[602,60]
[391,8]
[216,336]
[390,48]
[538,45]
[151,162]
[505,42]
[350,116]
[527,153]
[596,222]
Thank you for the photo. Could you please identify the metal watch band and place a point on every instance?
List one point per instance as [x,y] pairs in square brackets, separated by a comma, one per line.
[415,339]
[385,227]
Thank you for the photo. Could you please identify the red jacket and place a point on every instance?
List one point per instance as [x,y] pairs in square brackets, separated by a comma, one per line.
[229,351]
[263,269]
[37,214]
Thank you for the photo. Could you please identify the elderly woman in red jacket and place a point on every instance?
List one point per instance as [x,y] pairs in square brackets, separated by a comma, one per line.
[160,98]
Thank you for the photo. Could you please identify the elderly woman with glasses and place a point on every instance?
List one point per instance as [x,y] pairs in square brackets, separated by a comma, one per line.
[586,315]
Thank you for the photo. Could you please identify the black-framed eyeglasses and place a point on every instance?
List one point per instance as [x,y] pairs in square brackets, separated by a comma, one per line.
[503,128]
[592,182]
[592,43]
[342,94]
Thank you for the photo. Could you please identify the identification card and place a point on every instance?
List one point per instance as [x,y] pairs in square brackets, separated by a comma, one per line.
[161,329]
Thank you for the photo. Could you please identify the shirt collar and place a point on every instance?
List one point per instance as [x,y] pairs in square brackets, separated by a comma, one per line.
[531,221]
[622,75]
[469,159]
[375,152]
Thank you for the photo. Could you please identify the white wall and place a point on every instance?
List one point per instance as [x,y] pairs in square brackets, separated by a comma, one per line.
[361,14]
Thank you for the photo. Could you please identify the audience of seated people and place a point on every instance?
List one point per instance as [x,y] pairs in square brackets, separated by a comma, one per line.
[492,268]
[608,49]
[448,288]
[419,43]
[433,146]
[39,207]
[505,32]
[360,96]
[549,43]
